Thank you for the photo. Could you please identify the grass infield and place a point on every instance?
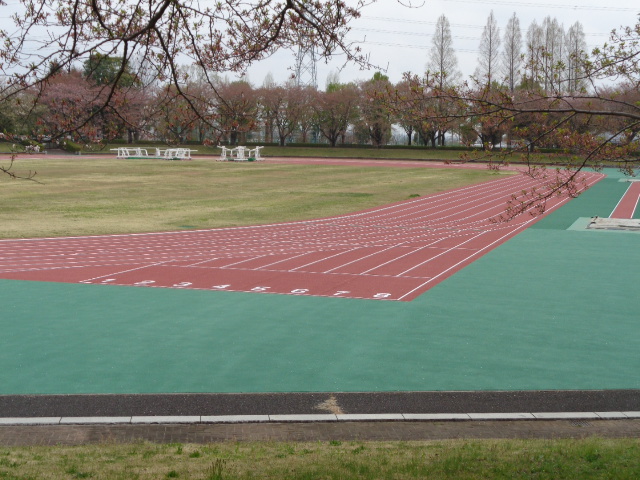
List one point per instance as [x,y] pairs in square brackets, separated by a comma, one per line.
[89,196]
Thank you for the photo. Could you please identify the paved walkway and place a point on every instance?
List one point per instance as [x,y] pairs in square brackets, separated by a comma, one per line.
[301,432]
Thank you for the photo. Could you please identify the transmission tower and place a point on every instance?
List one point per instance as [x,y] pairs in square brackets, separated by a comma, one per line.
[306,74]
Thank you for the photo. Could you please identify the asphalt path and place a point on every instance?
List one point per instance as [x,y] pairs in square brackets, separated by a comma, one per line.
[318,403]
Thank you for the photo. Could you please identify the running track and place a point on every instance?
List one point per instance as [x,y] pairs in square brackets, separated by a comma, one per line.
[395,252]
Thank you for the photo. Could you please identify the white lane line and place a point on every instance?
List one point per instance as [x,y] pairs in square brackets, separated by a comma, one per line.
[443,253]
[282,260]
[123,271]
[210,259]
[250,259]
[366,256]
[401,256]
[322,259]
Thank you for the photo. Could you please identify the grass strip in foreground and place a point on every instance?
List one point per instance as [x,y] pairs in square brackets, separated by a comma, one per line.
[591,458]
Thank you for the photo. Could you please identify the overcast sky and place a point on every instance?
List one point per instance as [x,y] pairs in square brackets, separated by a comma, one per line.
[399,38]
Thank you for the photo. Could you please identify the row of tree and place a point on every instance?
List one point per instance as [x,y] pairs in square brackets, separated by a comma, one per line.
[72,104]
[547,57]
[541,91]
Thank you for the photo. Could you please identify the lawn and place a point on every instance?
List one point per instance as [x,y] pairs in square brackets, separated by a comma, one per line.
[87,196]
[584,459]
[397,152]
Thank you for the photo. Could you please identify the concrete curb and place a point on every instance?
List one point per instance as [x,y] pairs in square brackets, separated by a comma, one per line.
[386,417]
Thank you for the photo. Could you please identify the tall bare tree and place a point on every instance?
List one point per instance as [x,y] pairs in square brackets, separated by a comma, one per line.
[534,52]
[489,52]
[575,50]
[512,53]
[553,55]
[442,64]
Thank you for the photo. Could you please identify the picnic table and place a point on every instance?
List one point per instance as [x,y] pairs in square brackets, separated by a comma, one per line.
[175,153]
[130,152]
[240,154]
[166,154]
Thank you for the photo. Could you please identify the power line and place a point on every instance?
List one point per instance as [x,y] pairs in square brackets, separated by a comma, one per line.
[426,22]
[548,5]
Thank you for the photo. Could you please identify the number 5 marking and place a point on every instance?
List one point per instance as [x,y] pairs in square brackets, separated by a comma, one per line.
[260,289]
[382,295]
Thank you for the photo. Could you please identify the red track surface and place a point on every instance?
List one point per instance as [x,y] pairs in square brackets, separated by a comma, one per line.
[628,203]
[394,252]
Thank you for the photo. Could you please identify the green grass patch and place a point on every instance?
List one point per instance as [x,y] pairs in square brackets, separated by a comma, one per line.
[394,152]
[85,196]
[584,459]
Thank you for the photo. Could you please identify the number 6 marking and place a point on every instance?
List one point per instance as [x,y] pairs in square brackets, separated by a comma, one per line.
[182,284]
[300,290]
[145,282]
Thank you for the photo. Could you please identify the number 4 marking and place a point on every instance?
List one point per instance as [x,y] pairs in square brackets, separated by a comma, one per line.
[221,287]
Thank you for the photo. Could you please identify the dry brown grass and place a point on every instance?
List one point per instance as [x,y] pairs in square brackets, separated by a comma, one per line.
[88,196]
